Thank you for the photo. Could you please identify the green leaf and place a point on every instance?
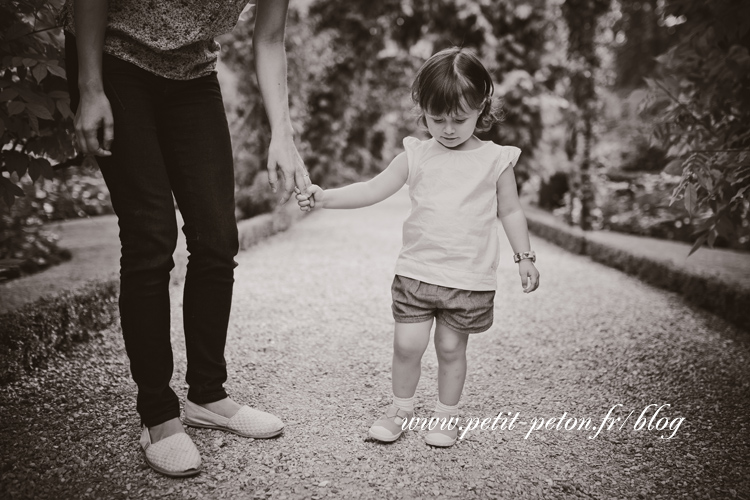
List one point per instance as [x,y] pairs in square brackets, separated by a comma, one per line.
[16,161]
[34,122]
[35,169]
[698,243]
[2,128]
[40,111]
[59,94]
[47,171]
[63,105]
[8,94]
[740,194]
[32,96]
[56,70]
[16,31]
[11,187]
[15,107]
[705,180]
[39,72]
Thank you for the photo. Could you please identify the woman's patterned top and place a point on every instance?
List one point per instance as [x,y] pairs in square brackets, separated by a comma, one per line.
[171,38]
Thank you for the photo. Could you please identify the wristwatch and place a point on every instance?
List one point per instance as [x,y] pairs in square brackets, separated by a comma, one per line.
[524,255]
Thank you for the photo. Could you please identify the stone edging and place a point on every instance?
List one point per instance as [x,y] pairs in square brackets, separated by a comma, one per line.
[720,297]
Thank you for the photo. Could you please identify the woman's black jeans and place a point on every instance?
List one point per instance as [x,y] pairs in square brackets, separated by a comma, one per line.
[170,138]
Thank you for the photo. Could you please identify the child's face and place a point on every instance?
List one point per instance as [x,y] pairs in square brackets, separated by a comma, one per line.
[453,131]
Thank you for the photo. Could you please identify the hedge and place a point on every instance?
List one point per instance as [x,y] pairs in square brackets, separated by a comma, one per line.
[722,298]
[31,334]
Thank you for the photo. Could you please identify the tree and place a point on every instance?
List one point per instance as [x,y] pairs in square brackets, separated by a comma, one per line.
[700,101]
[581,18]
[640,36]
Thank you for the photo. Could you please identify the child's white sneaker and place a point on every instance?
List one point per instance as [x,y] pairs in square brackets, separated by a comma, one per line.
[391,425]
[445,433]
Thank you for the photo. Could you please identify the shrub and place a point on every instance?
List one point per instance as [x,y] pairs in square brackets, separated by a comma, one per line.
[30,335]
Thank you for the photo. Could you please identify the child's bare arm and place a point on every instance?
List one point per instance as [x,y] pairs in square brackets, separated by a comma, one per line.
[360,194]
[511,215]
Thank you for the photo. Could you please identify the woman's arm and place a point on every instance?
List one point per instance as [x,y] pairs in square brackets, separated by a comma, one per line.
[361,194]
[94,111]
[270,66]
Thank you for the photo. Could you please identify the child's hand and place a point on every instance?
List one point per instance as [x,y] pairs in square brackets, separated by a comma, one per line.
[529,275]
[313,195]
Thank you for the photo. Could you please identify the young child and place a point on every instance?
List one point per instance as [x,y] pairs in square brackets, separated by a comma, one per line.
[446,270]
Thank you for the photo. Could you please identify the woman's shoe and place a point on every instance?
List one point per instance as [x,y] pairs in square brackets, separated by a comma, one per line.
[445,433]
[174,456]
[247,422]
[391,425]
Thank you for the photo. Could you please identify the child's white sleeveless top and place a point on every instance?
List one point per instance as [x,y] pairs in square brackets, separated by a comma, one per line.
[451,235]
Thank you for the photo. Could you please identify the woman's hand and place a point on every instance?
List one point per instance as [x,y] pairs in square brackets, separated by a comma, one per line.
[529,275]
[283,155]
[94,114]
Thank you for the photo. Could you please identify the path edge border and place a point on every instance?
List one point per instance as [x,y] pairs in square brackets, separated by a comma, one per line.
[711,293]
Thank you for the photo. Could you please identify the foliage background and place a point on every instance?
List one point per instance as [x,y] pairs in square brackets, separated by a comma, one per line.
[632,114]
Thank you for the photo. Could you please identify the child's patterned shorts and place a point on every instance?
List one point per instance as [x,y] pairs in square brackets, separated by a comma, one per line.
[465,311]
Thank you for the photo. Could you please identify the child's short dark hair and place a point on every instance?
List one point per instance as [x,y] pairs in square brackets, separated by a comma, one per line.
[452,79]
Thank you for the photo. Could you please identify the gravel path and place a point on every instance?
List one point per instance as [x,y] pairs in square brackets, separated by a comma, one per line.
[311,341]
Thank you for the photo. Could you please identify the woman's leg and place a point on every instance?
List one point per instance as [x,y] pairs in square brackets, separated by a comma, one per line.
[194,135]
[141,195]
[409,344]
[450,346]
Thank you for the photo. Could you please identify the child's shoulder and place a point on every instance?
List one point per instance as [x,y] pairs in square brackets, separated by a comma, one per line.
[502,156]
[411,142]
[502,151]
[502,147]
[417,149]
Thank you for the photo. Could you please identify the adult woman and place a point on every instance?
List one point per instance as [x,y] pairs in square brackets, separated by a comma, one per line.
[149,105]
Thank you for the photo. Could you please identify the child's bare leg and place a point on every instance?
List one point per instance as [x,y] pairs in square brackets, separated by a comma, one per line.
[409,344]
[450,346]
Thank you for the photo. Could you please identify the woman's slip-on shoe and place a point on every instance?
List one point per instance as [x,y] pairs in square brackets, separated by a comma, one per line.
[247,422]
[175,456]
[445,432]
[390,426]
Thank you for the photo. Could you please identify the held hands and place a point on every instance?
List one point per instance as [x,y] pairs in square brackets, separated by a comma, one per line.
[529,275]
[313,195]
[94,114]
[282,154]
